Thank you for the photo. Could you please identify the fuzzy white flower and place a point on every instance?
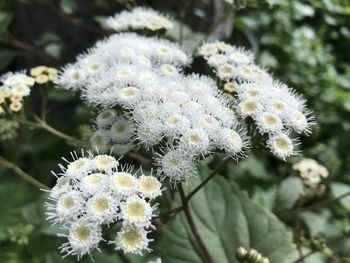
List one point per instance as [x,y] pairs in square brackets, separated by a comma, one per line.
[149,186]
[100,141]
[269,123]
[105,162]
[121,131]
[79,167]
[102,207]
[136,211]
[311,172]
[123,183]
[68,207]
[281,146]
[106,118]
[132,240]
[93,183]
[177,165]
[83,237]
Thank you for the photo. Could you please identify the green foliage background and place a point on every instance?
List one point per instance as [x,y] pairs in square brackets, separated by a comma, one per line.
[304,43]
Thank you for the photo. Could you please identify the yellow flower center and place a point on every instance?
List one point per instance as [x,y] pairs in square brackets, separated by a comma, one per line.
[131,238]
[82,233]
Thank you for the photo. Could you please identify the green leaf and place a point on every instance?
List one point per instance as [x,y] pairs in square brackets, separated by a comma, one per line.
[5,20]
[226,218]
[339,189]
[289,192]
[6,56]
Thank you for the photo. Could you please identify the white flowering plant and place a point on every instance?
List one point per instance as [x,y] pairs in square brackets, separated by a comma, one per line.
[151,176]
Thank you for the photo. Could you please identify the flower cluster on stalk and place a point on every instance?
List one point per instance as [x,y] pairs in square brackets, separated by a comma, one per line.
[275,109]
[93,193]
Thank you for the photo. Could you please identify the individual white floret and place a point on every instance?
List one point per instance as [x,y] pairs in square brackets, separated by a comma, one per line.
[195,142]
[150,132]
[176,165]
[68,207]
[129,95]
[102,208]
[226,116]
[231,142]
[131,239]
[83,238]
[106,118]
[93,183]
[100,141]
[123,183]
[268,123]
[281,146]
[168,70]
[79,168]
[177,124]
[63,185]
[105,162]
[149,187]
[208,123]
[137,212]
[20,90]
[71,77]
[208,49]
[299,121]
[240,56]
[121,131]
[226,71]
[249,108]
[217,60]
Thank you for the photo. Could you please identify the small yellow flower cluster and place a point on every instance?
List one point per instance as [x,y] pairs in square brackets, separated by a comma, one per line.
[7,98]
[311,172]
[44,74]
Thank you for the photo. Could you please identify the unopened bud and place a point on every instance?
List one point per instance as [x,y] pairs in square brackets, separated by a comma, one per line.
[253,256]
[264,260]
[241,254]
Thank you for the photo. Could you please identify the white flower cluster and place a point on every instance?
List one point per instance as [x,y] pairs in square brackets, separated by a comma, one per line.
[138,19]
[18,83]
[275,109]
[121,60]
[110,129]
[96,191]
[311,172]
[15,86]
[187,116]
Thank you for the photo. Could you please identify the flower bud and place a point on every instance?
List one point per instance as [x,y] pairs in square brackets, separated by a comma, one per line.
[241,253]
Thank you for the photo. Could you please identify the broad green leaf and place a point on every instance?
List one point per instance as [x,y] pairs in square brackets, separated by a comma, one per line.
[289,192]
[5,20]
[339,189]
[226,218]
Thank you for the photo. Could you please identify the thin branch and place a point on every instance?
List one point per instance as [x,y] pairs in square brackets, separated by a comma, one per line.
[193,227]
[301,259]
[23,174]
[206,180]
[193,192]
[139,157]
[13,42]
[74,21]
[43,124]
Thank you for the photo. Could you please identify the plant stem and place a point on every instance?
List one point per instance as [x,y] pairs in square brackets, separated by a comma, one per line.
[193,192]
[139,157]
[23,174]
[206,180]
[193,227]
[43,124]
[301,259]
